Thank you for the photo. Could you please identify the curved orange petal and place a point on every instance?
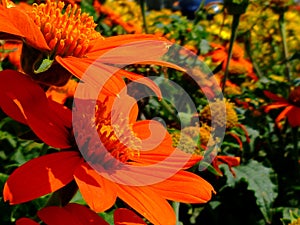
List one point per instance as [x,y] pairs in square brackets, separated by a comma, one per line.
[272,96]
[132,49]
[275,105]
[54,215]
[283,114]
[26,221]
[122,104]
[63,114]
[23,100]
[229,160]
[149,204]
[140,79]
[157,146]
[94,74]
[16,22]
[99,75]
[125,216]
[85,215]
[219,55]
[15,54]
[72,213]
[153,135]
[294,116]
[99,193]
[184,187]
[41,176]
[136,42]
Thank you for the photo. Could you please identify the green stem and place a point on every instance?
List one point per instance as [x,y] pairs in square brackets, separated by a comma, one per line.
[143,10]
[248,51]
[54,199]
[197,17]
[234,27]
[169,109]
[176,210]
[295,141]
[285,47]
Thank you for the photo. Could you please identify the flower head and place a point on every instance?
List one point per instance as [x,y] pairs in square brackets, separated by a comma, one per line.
[67,33]
[291,104]
[78,214]
[104,173]
[60,41]
[238,64]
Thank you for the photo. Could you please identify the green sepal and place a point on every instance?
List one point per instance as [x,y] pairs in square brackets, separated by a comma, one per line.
[42,65]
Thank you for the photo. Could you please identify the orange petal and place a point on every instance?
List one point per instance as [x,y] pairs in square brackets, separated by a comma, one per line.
[96,75]
[99,193]
[54,215]
[149,204]
[275,105]
[15,22]
[157,146]
[125,44]
[294,116]
[153,135]
[85,215]
[132,49]
[283,114]
[41,176]
[23,100]
[229,160]
[122,104]
[125,216]
[272,96]
[184,187]
[70,214]
[140,79]
[26,221]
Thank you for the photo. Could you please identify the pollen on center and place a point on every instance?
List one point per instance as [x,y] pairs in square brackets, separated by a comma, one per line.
[67,33]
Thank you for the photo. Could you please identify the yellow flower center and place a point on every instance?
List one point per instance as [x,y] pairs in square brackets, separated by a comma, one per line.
[185,143]
[294,97]
[295,222]
[118,139]
[231,115]
[67,34]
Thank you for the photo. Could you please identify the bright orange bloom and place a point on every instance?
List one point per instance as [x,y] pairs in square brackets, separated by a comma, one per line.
[231,161]
[80,215]
[25,101]
[58,43]
[292,107]
[61,94]
[238,64]
[12,51]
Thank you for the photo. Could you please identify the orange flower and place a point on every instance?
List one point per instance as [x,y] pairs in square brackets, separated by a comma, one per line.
[292,107]
[238,64]
[58,43]
[231,161]
[60,94]
[25,101]
[80,215]
[14,53]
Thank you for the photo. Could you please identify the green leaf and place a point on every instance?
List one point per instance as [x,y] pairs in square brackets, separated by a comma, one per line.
[259,181]
[43,66]
[108,216]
